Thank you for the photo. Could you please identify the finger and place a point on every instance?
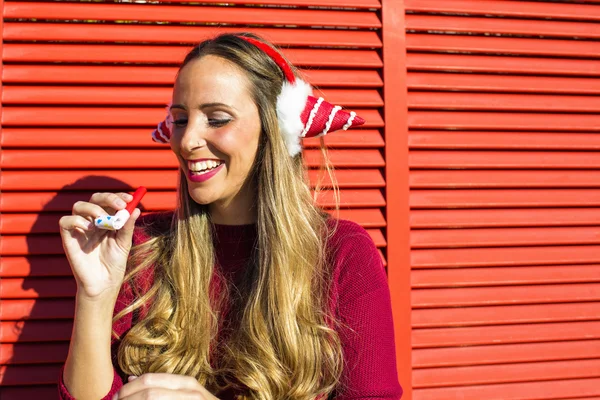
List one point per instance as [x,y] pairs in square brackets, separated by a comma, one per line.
[71,222]
[159,380]
[88,210]
[162,393]
[108,200]
[125,234]
[125,196]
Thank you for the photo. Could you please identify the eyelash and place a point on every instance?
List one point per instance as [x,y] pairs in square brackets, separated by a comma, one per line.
[213,123]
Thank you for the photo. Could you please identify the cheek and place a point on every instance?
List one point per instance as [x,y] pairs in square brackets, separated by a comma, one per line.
[241,144]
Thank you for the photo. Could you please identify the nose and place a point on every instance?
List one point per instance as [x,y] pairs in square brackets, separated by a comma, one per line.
[193,136]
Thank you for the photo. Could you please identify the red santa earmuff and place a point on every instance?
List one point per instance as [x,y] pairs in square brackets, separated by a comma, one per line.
[300,114]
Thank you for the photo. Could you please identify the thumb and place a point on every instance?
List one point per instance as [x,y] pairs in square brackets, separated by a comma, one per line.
[125,234]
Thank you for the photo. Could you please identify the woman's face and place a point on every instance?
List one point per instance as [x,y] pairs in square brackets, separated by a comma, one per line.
[215,132]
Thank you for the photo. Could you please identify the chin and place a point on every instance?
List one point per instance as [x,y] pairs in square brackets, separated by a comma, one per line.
[202,198]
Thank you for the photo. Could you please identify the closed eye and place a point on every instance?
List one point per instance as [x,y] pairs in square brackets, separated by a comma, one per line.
[180,122]
[217,123]
[213,123]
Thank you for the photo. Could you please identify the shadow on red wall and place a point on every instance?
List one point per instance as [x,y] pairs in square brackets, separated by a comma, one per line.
[41,328]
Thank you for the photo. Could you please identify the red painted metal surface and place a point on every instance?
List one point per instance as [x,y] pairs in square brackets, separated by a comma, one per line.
[77,81]
[176,34]
[522,9]
[502,118]
[149,75]
[167,55]
[175,13]
[503,133]
[396,153]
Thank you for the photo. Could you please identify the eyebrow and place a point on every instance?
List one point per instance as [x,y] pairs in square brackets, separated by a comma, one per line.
[202,106]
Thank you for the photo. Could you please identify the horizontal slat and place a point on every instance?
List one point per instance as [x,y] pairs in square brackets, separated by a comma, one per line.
[459,120]
[503,237]
[159,34]
[29,374]
[503,140]
[199,14]
[156,201]
[370,4]
[501,315]
[462,277]
[500,354]
[122,138]
[163,179]
[559,389]
[503,45]
[149,96]
[19,245]
[503,159]
[114,117]
[35,331]
[33,353]
[501,83]
[508,373]
[499,102]
[79,159]
[147,75]
[546,10]
[172,55]
[48,222]
[46,309]
[501,64]
[462,179]
[502,256]
[504,218]
[504,198]
[492,296]
[504,334]
[49,266]
[504,26]
[34,288]
[34,266]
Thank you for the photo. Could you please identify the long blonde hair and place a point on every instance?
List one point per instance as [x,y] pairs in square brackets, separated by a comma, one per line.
[284,345]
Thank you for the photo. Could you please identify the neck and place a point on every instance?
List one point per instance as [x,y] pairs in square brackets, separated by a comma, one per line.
[239,210]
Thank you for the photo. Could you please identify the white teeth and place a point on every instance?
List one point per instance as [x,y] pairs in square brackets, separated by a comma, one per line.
[202,165]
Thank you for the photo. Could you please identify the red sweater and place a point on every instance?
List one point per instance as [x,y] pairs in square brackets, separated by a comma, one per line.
[360,297]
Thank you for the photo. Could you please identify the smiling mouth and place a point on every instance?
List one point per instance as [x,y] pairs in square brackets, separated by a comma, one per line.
[203,167]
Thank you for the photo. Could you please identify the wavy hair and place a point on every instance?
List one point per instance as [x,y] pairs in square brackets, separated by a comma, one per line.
[284,345]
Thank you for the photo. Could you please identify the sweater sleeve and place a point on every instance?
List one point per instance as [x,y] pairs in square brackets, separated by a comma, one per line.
[124,299]
[365,315]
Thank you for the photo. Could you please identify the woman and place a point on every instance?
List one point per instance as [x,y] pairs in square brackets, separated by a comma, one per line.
[248,289]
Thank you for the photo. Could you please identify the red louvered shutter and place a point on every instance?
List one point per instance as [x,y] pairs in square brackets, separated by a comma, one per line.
[83,85]
[504,116]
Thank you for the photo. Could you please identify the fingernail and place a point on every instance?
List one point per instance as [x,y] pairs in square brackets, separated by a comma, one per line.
[91,225]
[128,196]
[120,203]
[131,378]
[115,397]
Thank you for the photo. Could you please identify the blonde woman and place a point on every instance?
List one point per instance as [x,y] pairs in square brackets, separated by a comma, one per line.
[248,289]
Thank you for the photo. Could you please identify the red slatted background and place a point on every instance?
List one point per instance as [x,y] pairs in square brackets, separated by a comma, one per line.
[504,123]
[83,83]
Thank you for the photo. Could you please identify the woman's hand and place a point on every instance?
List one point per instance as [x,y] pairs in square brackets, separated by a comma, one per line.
[98,257]
[163,386]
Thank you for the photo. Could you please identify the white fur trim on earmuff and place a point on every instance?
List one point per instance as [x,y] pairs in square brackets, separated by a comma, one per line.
[290,105]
